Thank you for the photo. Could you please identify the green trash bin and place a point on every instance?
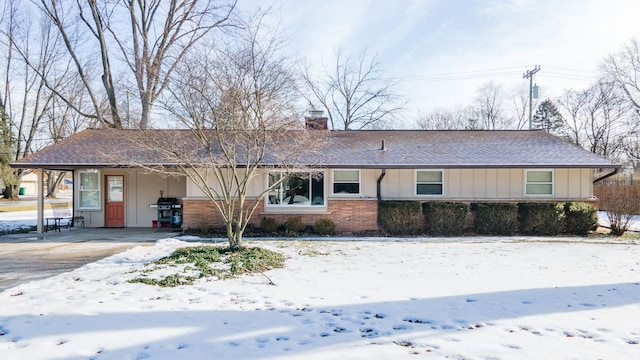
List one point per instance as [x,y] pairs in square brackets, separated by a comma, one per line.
[22,191]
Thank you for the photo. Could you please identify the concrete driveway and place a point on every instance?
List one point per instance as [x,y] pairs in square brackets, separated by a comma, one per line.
[26,257]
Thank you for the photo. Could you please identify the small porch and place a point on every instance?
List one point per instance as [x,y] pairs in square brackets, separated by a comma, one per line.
[108,198]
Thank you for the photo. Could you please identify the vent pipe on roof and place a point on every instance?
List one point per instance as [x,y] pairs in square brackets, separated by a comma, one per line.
[383,147]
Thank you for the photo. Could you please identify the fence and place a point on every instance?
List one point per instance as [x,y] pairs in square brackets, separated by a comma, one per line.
[618,195]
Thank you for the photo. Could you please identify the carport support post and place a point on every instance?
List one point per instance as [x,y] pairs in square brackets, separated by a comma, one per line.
[40,196]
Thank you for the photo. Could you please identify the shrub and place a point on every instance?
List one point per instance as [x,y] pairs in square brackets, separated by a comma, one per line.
[541,218]
[324,227]
[580,218]
[294,225]
[620,203]
[495,218]
[445,218]
[399,217]
[268,225]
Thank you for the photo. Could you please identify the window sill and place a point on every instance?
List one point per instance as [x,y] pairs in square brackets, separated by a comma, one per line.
[294,210]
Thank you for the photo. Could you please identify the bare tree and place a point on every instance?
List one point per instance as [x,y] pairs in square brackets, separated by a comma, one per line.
[488,107]
[444,119]
[237,102]
[61,122]
[27,97]
[607,117]
[571,105]
[354,94]
[7,137]
[631,149]
[520,108]
[623,68]
[161,34]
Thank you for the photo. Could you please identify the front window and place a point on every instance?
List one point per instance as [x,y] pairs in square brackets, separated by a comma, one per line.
[346,182]
[539,182]
[89,190]
[429,182]
[296,189]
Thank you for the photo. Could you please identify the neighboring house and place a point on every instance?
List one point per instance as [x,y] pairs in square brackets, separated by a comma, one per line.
[28,183]
[358,169]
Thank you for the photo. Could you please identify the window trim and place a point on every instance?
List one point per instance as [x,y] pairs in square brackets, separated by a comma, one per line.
[415,183]
[333,177]
[552,183]
[98,189]
[281,205]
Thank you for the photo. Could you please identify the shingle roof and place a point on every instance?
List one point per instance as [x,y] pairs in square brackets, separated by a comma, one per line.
[455,149]
[357,149]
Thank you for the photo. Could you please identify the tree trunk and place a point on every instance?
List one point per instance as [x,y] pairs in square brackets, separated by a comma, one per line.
[11,192]
[53,181]
[146,109]
[235,238]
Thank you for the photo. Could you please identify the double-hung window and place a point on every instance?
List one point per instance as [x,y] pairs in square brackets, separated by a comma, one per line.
[296,189]
[89,190]
[346,182]
[429,182]
[539,183]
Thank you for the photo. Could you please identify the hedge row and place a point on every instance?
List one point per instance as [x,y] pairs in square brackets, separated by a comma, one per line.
[448,218]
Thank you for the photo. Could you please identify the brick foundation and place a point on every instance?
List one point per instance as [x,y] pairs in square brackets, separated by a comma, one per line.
[351,216]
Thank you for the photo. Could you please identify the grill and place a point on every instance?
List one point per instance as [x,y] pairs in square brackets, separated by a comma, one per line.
[169,212]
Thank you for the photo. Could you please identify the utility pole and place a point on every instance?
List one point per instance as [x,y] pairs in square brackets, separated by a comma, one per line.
[529,75]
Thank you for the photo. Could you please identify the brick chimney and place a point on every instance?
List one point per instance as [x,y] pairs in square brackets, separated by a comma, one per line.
[316,120]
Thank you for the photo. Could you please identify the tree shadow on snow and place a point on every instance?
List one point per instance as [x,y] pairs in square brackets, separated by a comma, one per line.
[294,330]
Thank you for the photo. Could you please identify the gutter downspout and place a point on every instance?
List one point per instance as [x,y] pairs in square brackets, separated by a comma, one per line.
[378,187]
[615,171]
[379,194]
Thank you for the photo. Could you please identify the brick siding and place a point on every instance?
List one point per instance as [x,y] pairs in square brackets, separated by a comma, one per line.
[351,216]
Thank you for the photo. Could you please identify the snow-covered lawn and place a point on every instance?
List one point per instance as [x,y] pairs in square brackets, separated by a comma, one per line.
[344,299]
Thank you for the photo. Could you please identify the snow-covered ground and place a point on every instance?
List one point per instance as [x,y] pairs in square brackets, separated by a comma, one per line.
[17,219]
[11,220]
[343,299]
[484,298]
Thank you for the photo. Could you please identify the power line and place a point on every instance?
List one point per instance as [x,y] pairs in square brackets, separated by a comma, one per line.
[461,75]
[555,72]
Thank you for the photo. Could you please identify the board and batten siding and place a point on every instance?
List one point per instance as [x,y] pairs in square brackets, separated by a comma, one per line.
[487,184]
[141,189]
[459,184]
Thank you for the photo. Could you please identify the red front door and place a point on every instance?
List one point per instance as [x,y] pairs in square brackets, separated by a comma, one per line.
[114,202]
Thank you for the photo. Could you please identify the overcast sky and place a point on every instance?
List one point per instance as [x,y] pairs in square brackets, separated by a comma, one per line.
[443,50]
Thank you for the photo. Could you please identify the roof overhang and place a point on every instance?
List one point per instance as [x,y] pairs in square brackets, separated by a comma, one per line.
[69,167]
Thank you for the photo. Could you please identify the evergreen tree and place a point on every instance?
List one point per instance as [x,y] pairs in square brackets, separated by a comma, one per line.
[547,117]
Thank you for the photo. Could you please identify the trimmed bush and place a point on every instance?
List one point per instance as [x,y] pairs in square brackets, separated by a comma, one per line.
[400,217]
[294,225]
[580,218]
[445,218]
[324,227]
[495,218]
[541,218]
[268,225]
